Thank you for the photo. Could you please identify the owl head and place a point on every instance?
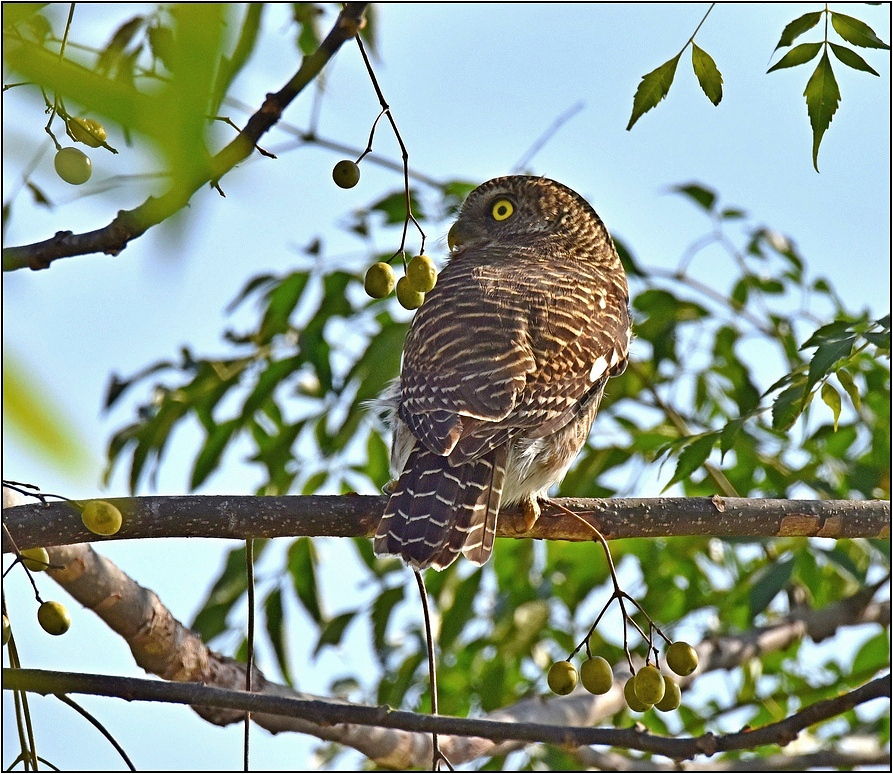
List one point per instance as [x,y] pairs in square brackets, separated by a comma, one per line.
[521,210]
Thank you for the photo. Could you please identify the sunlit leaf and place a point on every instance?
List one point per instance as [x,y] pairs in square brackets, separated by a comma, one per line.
[797,56]
[856,31]
[707,73]
[822,98]
[831,397]
[653,87]
[34,415]
[851,59]
[797,27]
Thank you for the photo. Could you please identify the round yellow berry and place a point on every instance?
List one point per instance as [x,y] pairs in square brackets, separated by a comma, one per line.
[562,678]
[379,280]
[421,273]
[35,559]
[633,701]
[73,166]
[346,174]
[409,297]
[649,685]
[682,658]
[101,518]
[672,696]
[53,618]
[596,675]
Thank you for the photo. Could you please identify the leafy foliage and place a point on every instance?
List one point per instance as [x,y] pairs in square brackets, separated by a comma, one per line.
[822,91]
[722,384]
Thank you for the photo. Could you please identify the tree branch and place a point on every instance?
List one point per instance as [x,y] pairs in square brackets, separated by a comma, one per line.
[163,646]
[330,713]
[244,516]
[130,224]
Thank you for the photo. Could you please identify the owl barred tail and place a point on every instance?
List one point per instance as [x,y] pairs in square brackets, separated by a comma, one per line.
[438,510]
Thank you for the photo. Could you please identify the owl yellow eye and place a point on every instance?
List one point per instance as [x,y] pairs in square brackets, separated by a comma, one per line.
[502,209]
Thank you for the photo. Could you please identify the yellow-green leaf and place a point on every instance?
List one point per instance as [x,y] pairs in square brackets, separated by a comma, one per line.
[856,31]
[652,89]
[831,397]
[797,27]
[822,98]
[32,414]
[798,55]
[851,59]
[707,73]
[846,380]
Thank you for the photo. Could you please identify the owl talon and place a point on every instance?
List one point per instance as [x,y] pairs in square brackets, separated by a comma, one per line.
[530,511]
[389,488]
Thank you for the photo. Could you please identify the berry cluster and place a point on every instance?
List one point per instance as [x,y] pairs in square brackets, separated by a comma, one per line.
[98,516]
[647,688]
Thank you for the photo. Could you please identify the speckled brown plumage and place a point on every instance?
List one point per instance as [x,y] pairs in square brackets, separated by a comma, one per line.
[503,369]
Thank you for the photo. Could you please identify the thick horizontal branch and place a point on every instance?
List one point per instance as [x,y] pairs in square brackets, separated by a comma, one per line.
[332,713]
[244,516]
[130,224]
[163,646]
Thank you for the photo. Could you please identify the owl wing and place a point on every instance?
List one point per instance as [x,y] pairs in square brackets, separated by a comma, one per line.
[509,347]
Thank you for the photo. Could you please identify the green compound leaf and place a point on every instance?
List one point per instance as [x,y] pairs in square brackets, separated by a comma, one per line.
[856,32]
[851,59]
[653,88]
[707,73]
[797,56]
[822,99]
[797,27]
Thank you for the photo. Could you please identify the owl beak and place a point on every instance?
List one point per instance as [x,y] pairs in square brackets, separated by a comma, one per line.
[460,234]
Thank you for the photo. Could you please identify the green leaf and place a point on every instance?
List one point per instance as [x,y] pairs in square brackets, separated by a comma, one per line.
[797,56]
[208,458]
[826,356]
[822,98]
[851,59]
[302,568]
[652,89]
[34,415]
[698,194]
[381,614]
[274,615]
[797,27]
[846,381]
[692,457]
[788,406]
[832,400]
[766,584]
[231,66]
[334,631]
[729,434]
[856,31]
[707,72]
[873,655]
[268,381]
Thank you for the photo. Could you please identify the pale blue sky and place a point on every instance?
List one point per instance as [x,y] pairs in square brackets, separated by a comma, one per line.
[471,86]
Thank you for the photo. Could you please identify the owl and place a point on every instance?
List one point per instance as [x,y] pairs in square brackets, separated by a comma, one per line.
[503,370]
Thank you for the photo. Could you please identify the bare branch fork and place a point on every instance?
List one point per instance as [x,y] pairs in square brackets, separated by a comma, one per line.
[243,516]
[130,224]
